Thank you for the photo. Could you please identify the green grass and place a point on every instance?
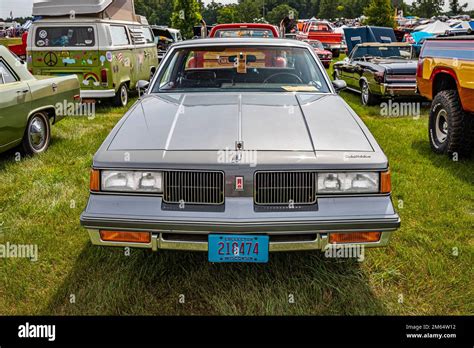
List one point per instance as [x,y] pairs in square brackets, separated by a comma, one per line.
[10,41]
[41,199]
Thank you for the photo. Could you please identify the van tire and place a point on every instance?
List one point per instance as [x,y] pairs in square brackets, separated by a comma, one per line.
[121,97]
[37,134]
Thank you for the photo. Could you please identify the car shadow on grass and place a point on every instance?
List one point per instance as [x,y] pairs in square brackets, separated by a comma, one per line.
[461,168]
[105,281]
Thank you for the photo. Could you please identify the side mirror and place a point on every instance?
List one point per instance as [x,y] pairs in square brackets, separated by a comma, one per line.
[346,60]
[339,85]
[142,86]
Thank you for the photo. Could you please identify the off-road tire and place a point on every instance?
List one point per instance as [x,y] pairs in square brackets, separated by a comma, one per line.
[459,127]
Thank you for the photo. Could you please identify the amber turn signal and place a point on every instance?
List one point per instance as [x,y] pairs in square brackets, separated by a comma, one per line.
[385,182]
[354,237]
[95,180]
[123,236]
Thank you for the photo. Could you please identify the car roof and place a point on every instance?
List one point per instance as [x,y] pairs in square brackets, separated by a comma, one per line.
[242,41]
[379,44]
[244,26]
[454,37]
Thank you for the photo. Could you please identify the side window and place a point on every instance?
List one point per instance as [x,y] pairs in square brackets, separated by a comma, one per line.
[119,35]
[6,74]
[148,35]
[137,34]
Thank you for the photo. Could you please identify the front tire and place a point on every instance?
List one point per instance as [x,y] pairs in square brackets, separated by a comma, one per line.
[121,98]
[450,128]
[366,96]
[37,134]
[336,53]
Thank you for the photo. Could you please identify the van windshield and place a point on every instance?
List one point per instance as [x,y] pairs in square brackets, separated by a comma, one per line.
[65,37]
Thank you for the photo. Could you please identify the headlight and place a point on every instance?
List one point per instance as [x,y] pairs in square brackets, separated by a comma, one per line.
[131,181]
[348,182]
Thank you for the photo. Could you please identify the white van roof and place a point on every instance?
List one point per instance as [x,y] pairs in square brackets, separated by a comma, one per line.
[122,10]
[64,7]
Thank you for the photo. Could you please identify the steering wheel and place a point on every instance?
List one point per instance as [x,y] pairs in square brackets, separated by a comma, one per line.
[297,78]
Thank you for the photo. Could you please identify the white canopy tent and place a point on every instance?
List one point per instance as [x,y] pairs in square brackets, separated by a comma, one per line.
[437,27]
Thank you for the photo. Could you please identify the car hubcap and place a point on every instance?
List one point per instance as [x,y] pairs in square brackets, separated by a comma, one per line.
[365,93]
[442,125]
[37,133]
[123,95]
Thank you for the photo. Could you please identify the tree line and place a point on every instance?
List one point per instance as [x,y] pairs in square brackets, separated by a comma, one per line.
[184,14]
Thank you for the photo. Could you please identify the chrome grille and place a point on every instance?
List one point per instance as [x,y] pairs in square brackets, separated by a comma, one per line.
[285,188]
[193,187]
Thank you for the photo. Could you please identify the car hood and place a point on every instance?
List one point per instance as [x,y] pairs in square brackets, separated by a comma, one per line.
[261,121]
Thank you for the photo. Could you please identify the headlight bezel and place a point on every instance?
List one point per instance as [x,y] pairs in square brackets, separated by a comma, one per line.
[344,177]
[134,181]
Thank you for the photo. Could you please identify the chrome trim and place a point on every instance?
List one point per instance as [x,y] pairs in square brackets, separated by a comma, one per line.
[158,243]
[398,88]
[197,188]
[296,183]
[106,93]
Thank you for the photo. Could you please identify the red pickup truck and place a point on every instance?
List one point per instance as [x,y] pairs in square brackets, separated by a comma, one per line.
[20,49]
[259,30]
[321,31]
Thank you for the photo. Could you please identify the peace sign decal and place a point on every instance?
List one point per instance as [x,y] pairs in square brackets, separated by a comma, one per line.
[50,59]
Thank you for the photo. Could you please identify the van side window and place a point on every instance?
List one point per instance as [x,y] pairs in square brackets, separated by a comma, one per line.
[148,35]
[6,75]
[119,35]
[137,34]
[64,37]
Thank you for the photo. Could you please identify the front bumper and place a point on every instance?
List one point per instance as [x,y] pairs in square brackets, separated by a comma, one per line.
[92,94]
[288,230]
[398,89]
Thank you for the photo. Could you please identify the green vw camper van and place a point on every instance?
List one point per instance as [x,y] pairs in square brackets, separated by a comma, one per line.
[103,42]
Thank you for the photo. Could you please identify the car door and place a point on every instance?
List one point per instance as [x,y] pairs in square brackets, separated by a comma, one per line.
[15,105]
[350,70]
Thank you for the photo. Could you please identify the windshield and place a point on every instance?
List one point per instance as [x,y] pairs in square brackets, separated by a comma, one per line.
[395,52]
[65,37]
[241,68]
[317,45]
[319,27]
[244,33]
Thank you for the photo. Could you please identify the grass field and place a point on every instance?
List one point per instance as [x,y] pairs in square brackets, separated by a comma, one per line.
[427,269]
[10,41]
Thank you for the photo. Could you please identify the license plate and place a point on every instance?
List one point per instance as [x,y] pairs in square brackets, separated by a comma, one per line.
[238,248]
